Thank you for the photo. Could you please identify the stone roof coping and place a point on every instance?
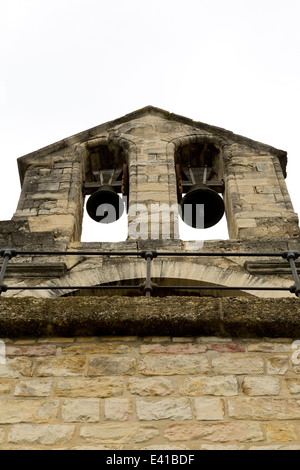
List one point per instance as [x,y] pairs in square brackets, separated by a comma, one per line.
[88,134]
[141,316]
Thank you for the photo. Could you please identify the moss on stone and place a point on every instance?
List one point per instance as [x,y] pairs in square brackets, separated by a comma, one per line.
[175,316]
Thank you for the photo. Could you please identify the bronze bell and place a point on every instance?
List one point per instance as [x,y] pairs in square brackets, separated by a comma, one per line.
[200,197]
[105,205]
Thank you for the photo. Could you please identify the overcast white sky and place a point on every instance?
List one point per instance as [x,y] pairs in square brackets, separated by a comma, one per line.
[69,65]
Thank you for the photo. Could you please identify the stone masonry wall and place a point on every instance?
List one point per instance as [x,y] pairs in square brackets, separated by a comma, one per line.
[130,372]
[51,198]
[256,196]
[257,203]
[129,392]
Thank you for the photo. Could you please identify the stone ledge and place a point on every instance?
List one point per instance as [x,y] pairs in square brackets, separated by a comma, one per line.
[168,316]
[30,270]
[269,267]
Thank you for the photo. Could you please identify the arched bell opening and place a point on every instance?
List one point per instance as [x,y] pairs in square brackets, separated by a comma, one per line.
[200,184]
[106,192]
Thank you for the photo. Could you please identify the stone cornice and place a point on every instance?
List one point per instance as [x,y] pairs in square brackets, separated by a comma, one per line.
[140,316]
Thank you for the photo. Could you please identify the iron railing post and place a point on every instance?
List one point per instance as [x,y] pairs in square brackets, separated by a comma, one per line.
[291,256]
[148,285]
[6,255]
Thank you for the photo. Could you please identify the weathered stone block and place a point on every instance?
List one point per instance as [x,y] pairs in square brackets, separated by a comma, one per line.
[280,432]
[173,349]
[30,351]
[223,346]
[118,433]
[167,408]
[17,367]
[154,386]
[239,363]
[34,388]
[209,409]
[93,349]
[217,432]
[173,365]
[59,366]
[111,365]
[89,387]
[118,409]
[28,411]
[6,386]
[81,410]
[293,385]
[48,186]
[263,408]
[278,364]
[41,434]
[271,346]
[261,386]
[242,223]
[206,385]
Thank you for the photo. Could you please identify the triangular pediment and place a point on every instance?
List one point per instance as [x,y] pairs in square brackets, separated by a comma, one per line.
[45,153]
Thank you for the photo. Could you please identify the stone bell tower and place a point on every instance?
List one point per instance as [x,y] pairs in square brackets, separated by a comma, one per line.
[152,343]
[160,164]
[152,156]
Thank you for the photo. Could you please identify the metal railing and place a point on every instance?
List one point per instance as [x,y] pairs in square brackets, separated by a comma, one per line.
[148,286]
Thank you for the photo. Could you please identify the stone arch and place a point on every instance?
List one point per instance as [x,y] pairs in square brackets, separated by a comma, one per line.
[127,146]
[91,272]
[120,149]
[220,144]
[181,141]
